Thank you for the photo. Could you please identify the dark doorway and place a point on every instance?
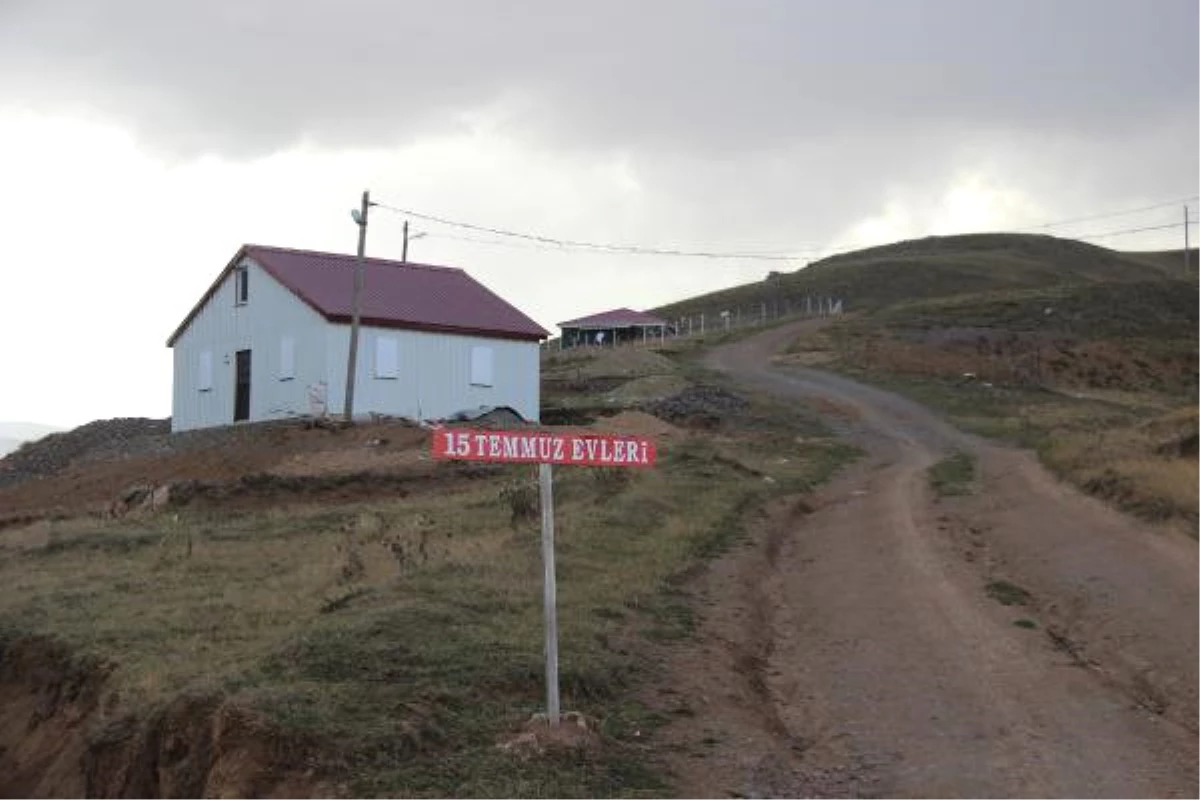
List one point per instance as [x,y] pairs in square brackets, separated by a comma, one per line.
[241,392]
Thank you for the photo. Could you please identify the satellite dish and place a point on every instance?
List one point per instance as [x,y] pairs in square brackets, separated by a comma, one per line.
[356,215]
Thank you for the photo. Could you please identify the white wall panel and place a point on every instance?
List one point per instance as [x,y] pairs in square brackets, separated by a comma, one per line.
[433,375]
[223,327]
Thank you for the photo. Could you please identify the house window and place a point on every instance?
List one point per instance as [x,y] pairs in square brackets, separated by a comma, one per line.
[386,357]
[481,366]
[204,376]
[287,358]
[241,286]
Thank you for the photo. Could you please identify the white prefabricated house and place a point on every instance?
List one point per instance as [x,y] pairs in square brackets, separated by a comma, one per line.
[270,340]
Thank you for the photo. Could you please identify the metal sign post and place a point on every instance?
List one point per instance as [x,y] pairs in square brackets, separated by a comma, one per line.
[544,449]
[549,591]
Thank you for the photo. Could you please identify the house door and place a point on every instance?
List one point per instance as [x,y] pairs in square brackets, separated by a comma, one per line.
[241,391]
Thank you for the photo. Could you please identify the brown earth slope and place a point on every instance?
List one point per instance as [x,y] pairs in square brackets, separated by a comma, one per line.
[1021,640]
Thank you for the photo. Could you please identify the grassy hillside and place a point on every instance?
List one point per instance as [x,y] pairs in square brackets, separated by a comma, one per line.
[1170,262]
[376,616]
[1085,354]
[943,266]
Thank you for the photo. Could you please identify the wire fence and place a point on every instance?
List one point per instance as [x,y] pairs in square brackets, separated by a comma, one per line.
[756,315]
[717,320]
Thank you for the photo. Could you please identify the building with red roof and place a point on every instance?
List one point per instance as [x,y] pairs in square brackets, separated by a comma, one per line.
[270,340]
[612,327]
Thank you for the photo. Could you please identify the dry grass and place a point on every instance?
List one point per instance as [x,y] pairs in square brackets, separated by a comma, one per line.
[1136,465]
[1098,378]
[408,633]
[649,387]
[1115,453]
[628,361]
[1120,446]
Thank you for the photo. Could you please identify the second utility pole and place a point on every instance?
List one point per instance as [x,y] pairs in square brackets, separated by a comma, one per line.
[355,303]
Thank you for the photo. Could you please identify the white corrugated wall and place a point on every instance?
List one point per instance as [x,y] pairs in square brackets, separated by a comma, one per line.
[433,375]
[432,380]
[221,328]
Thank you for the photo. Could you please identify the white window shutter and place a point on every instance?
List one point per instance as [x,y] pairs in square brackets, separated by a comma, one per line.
[386,357]
[481,366]
[287,358]
[205,377]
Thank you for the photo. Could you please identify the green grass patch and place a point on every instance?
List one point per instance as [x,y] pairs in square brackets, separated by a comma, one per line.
[953,475]
[1008,594]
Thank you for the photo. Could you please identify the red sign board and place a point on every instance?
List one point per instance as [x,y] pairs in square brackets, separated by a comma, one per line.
[541,447]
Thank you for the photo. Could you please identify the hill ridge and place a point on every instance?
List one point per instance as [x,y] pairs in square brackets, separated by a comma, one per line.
[943,266]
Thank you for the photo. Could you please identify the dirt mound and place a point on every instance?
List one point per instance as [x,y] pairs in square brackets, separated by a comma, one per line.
[115,466]
[645,389]
[538,738]
[102,439]
[698,407]
[637,423]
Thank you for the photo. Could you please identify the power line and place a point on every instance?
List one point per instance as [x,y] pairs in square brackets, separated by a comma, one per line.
[815,254]
[1132,230]
[495,242]
[550,243]
[583,245]
[542,248]
[1112,214]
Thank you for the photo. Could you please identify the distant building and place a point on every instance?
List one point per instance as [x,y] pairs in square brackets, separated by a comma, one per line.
[270,340]
[613,327]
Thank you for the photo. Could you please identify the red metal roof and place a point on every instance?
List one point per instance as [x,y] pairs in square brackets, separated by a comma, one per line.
[395,294]
[617,318]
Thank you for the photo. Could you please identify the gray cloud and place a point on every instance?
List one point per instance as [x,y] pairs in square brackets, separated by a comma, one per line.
[701,124]
[245,78]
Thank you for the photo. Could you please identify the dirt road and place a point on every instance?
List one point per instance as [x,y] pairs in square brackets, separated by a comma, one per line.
[854,649]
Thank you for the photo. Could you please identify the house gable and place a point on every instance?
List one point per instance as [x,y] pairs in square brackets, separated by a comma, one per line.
[283,338]
[281,315]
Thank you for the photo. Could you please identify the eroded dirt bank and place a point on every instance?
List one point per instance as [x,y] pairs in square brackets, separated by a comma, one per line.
[860,648]
[59,737]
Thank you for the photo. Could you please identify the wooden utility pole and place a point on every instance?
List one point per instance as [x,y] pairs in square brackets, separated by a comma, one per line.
[355,303]
[404,249]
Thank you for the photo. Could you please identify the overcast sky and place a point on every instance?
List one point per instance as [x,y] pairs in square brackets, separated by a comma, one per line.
[142,142]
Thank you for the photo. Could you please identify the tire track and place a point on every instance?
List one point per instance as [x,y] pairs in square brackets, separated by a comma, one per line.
[872,661]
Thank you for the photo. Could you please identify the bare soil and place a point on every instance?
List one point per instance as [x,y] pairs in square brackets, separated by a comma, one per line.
[57,739]
[854,648]
[254,461]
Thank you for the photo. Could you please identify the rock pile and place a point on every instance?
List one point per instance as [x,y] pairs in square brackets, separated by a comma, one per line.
[99,440]
[697,407]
